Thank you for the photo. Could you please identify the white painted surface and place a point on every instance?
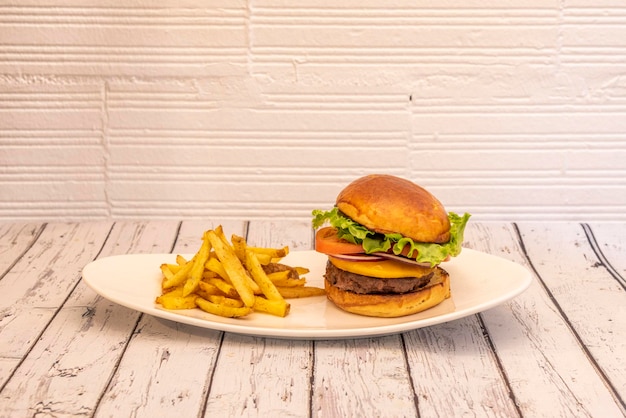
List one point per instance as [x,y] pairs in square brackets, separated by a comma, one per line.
[554,351]
[263,109]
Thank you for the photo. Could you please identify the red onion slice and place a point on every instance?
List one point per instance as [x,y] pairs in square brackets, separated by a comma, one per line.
[402,259]
[357,257]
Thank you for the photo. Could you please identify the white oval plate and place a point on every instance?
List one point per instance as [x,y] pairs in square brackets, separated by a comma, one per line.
[478,281]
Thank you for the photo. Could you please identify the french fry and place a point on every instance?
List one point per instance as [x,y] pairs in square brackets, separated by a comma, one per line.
[273,307]
[167,272]
[275,267]
[216,266]
[201,293]
[232,279]
[223,300]
[175,300]
[288,282]
[301,270]
[259,276]
[195,275]
[172,267]
[222,310]
[209,288]
[219,232]
[286,278]
[233,268]
[279,275]
[225,288]
[301,292]
[207,275]
[239,247]
[272,252]
[264,259]
[180,276]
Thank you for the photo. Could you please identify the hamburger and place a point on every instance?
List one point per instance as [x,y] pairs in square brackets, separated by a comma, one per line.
[385,239]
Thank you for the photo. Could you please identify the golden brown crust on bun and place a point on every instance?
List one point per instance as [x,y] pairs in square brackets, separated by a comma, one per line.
[391,305]
[389,204]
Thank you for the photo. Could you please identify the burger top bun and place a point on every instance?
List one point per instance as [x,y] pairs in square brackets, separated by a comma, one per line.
[389,204]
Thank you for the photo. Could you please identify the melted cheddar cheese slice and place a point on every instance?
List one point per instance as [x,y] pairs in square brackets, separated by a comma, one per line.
[383,269]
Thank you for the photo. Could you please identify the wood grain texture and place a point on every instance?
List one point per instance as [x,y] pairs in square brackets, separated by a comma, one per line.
[74,357]
[255,377]
[166,366]
[14,240]
[584,288]
[534,340]
[39,282]
[607,240]
[553,351]
[455,370]
[362,377]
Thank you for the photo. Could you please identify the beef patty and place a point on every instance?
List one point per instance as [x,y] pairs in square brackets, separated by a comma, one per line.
[357,283]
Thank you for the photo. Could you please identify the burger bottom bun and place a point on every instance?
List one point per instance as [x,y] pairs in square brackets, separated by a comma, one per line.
[389,305]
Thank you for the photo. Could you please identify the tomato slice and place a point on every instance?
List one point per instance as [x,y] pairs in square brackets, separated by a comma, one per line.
[327,242]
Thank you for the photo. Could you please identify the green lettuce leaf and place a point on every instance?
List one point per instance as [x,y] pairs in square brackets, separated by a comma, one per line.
[373,242]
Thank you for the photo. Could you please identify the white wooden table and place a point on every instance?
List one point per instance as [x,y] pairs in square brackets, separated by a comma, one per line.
[557,350]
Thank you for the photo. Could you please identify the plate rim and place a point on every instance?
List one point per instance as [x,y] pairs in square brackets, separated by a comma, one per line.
[240,327]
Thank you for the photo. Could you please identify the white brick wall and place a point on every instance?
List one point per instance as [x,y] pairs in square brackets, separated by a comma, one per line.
[511,110]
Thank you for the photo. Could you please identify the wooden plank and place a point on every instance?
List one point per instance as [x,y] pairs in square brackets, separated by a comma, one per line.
[38,283]
[163,372]
[15,239]
[255,376]
[610,239]
[362,378]
[591,298]
[297,235]
[271,374]
[548,371]
[166,368]
[455,371]
[67,369]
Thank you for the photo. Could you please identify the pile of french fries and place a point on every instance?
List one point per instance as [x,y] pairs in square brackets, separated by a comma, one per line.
[232,279]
